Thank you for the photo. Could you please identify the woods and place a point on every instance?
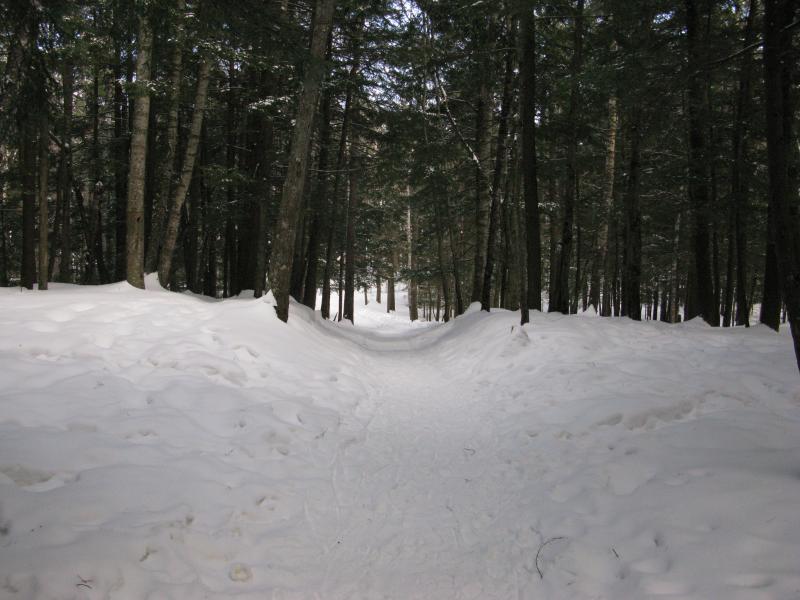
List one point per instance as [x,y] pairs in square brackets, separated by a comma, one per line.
[641,159]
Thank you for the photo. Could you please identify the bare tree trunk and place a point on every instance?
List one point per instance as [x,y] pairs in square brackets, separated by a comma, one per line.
[44,168]
[675,290]
[163,199]
[286,226]
[494,211]
[352,208]
[61,257]
[265,172]
[443,271]
[174,221]
[120,154]
[739,183]
[319,203]
[483,125]
[138,156]
[413,312]
[390,296]
[601,251]
[706,307]
[778,66]
[27,165]
[559,300]
[632,303]
[532,298]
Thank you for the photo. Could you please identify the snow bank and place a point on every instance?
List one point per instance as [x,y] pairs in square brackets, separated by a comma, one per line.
[157,445]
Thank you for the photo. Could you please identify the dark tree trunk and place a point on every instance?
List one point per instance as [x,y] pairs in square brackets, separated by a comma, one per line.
[699,172]
[265,175]
[44,169]
[483,146]
[443,270]
[291,199]
[532,298]
[413,311]
[163,200]
[494,210]
[190,155]
[632,275]
[27,166]
[350,250]
[779,61]
[739,183]
[601,250]
[120,150]
[319,203]
[559,300]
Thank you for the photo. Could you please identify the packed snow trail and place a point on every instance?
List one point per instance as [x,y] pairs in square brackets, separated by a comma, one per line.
[157,445]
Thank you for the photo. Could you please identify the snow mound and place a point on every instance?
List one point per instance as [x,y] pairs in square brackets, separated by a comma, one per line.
[161,445]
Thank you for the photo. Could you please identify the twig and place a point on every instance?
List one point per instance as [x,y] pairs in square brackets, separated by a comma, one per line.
[539,551]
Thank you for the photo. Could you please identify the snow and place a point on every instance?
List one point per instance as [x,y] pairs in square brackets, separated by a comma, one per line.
[159,445]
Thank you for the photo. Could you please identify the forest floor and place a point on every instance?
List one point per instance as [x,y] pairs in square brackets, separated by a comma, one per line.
[159,445]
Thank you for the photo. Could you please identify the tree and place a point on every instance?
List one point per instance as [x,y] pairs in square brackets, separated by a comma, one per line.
[138,155]
[286,226]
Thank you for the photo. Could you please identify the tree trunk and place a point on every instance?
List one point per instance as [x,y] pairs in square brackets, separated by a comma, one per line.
[286,226]
[739,182]
[532,298]
[138,156]
[494,211]
[265,173]
[601,251]
[483,147]
[190,155]
[413,312]
[354,199]
[27,165]
[319,203]
[443,270]
[778,65]
[163,199]
[559,300]
[632,306]
[390,295]
[44,168]
[61,258]
[697,95]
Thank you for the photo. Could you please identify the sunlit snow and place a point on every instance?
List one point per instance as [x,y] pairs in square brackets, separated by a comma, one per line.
[161,445]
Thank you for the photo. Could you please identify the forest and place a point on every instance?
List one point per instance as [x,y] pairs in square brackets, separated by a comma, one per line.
[399,299]
[638,159]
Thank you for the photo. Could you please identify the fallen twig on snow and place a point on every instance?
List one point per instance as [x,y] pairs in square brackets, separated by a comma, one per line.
[539,551]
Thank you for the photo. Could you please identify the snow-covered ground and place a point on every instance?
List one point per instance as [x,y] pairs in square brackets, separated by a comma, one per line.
[156,445]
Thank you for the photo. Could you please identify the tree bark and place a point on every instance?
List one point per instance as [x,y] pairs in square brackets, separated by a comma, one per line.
[286,226]
[319,203]
[163,199]
[532,298]
[44,168]
[179,197]
[559,300]
[413,311]
[138,156]
[494,211]
[778,66]
[350,250]
[265,172]
[697,95]
[632,305]
[601,251]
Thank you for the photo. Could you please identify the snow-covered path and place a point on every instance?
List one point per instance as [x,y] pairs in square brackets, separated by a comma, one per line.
[155,445]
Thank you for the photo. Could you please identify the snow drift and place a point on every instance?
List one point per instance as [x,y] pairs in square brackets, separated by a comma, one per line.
[158,445]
